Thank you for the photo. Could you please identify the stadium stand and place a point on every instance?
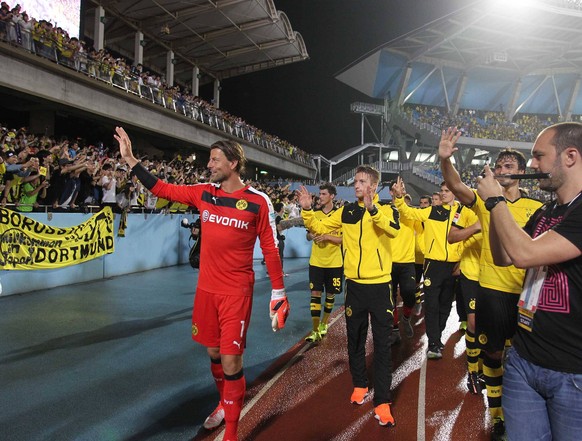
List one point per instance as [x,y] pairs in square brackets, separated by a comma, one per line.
[52,42]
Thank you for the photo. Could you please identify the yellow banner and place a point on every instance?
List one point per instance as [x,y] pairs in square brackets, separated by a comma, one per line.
[26,244]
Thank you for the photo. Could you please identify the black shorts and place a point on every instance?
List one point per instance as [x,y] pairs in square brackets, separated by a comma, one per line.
[495,318]
[328,278]
[469,289]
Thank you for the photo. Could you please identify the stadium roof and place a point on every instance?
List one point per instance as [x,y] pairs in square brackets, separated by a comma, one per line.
[224,38]
[515,56]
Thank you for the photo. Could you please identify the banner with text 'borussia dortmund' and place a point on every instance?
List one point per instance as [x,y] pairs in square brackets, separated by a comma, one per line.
[26,244]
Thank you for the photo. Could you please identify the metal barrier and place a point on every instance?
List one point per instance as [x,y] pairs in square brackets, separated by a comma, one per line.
[92,209]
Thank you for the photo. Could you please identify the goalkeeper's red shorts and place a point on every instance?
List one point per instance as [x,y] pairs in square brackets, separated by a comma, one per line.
[221,321]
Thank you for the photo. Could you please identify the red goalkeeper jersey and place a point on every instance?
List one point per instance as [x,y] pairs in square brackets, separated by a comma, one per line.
[230,223]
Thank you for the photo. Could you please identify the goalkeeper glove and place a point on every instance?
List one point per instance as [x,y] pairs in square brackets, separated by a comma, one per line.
[279,309]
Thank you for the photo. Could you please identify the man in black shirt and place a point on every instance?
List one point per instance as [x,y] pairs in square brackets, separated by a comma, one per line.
[542,383]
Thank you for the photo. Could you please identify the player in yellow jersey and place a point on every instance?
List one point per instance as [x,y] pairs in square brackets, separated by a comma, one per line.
[496,314]
[440,260]
[467,228]
[423,202]
[367,228]
[325,265]
[403,275]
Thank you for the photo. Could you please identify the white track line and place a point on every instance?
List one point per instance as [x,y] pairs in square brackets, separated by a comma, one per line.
[420,422]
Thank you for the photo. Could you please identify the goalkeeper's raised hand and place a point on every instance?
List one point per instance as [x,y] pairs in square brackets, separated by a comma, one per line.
[278,309]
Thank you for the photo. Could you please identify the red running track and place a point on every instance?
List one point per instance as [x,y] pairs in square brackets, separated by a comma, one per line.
[304,396]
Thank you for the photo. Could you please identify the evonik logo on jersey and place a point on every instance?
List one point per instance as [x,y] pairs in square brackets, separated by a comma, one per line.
[224,220]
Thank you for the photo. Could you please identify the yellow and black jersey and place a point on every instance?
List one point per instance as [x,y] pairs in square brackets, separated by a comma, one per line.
[471,251]
[403,245]
[418,243]
[507,278]
[326,254]
[15,189]
[437,223]
[366,239]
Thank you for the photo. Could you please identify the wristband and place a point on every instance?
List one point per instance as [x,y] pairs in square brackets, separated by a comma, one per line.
[491,203]
[145,177]
[373,211]
[277,293]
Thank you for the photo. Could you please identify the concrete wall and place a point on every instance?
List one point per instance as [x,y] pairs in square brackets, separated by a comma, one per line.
[151,241]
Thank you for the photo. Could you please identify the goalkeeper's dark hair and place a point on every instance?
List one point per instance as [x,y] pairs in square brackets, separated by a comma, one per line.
[233,152]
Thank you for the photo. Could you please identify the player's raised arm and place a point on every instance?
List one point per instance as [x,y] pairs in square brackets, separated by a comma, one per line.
[447,147]
[304,197]
[125,146]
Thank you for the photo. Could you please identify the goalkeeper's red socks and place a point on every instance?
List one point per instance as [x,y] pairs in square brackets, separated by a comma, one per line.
[216,418]
[218,375]
[233,398]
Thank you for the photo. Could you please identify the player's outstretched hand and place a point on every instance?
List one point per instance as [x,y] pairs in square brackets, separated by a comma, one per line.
[447,145]
[122,138]
[303,197]
[278,309]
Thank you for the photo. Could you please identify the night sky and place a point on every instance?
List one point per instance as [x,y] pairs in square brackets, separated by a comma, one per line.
[303,102]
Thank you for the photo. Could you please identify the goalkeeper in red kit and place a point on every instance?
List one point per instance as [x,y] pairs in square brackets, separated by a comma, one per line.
[223,301]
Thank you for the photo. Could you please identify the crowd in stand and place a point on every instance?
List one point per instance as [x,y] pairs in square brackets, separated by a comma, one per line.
[67,174]
[53,42]
[481,124]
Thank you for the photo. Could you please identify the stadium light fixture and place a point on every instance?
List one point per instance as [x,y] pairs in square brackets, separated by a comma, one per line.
[142,43]
[174,61]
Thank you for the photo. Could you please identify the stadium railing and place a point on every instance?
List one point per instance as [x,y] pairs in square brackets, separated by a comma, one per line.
[48,48]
